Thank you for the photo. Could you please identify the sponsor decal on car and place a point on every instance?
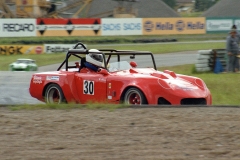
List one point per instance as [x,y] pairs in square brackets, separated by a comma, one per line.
[37,79]
[102,79]
[52,78]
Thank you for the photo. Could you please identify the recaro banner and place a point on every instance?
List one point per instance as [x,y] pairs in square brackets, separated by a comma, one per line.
[17,27]
[121,26]
[158,26]
[20,49]
[68,27]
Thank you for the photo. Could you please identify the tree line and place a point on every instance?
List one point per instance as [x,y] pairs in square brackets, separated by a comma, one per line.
[200,5]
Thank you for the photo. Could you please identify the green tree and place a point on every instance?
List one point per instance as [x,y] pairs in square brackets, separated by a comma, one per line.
[202,5]
[171,3]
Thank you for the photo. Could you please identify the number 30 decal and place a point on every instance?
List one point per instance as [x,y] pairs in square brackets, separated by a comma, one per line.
[88,87]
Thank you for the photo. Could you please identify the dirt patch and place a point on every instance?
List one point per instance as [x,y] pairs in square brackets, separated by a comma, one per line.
[166,133]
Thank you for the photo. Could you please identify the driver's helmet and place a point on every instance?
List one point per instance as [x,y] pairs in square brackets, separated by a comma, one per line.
[94,58]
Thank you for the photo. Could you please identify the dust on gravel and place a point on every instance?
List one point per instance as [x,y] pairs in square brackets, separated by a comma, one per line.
[147,133]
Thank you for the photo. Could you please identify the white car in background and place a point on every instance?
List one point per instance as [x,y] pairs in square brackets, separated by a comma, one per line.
[23,65]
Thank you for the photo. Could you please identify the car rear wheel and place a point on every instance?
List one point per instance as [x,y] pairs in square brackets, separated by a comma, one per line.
[54,94]
[134,96]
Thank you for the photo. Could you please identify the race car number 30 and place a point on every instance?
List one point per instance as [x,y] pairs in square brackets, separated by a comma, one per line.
[88,87]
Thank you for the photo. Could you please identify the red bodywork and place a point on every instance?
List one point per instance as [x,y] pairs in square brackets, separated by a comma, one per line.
[87,85]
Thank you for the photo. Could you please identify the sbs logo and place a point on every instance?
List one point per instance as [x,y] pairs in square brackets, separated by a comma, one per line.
[148,26]
[180,25]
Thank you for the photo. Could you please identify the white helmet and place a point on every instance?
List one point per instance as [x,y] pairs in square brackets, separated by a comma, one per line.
[94,58]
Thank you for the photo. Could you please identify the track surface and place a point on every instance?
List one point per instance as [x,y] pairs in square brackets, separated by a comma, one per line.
[146,133]
[14,85]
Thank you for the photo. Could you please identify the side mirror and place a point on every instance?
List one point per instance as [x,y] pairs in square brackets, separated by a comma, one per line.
[103,71]
[133,64]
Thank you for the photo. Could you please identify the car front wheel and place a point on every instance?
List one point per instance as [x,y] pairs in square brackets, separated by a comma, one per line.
[54,94]
[134,96]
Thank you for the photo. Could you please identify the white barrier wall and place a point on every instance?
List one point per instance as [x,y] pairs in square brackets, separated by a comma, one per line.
[17,27]
[121,26]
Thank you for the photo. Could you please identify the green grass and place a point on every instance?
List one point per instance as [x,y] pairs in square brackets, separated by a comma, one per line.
[121,39]
[167,48]
[46,59]
[109,107]
[224,87]
[191,14]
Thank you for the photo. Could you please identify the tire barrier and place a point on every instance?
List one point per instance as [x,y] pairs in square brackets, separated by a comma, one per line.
[206,59]
[202,62]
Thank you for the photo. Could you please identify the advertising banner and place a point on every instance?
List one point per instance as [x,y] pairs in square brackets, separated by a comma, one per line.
[219,25]
[68,27]
[17,27]
[237,23]
[121,26]
[159,26]
[20,49]
[57,48]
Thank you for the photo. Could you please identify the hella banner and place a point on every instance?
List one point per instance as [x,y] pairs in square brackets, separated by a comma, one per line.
[121,26]
[159,26]
[17,27]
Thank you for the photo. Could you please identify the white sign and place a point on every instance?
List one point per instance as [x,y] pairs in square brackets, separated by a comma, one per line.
[17,27]
[57,48]
[237,23]
[219,25]
[121,26]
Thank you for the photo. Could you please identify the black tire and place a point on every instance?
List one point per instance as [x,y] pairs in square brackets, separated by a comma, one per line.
[54,95]
[134,96]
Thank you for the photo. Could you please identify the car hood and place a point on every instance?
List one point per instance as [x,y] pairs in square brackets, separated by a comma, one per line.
[167,79]
[19,65]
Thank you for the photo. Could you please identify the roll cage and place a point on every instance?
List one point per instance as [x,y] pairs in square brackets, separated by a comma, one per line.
[109,52]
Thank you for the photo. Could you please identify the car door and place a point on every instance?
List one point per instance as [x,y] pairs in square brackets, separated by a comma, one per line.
[91,87]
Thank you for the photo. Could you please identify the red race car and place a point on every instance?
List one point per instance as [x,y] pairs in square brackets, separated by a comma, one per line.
[111,76]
